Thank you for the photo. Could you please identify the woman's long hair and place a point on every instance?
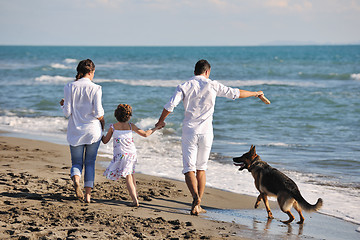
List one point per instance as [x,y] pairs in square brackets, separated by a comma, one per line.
[84,67]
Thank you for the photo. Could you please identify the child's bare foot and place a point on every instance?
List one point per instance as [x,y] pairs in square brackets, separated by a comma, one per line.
[78,192]
[195,207]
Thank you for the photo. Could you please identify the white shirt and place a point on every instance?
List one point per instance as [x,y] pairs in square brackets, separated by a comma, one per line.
[198,95]
[82,105]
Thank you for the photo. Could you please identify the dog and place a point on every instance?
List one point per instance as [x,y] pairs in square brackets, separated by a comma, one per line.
[271,182]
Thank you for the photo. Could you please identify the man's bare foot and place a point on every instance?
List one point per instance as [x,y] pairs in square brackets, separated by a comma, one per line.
[78,192]
[195,207]
[202,210]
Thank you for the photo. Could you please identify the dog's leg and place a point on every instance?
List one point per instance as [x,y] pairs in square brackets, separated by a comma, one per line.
[298,209]
[291,217]
[267,206]
[257,203]
[285,204]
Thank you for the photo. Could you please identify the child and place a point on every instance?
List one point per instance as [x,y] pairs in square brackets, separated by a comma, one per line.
[124,160]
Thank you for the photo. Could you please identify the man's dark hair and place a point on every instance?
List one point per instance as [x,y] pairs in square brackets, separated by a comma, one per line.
[201,66]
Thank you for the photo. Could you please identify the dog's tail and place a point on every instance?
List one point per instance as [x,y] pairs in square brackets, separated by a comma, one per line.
[307,206]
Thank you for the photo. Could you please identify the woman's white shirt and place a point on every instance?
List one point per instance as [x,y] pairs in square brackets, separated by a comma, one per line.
[82,105]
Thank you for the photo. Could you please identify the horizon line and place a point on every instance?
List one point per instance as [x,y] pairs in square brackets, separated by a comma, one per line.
[259,45]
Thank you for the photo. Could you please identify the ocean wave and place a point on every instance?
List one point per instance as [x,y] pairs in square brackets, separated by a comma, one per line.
[34,125]
[355,76]
[278,144]
[70,60]
[53,79]
[160,156]
[146,83]
[325,76]
[232,83]
[59,66]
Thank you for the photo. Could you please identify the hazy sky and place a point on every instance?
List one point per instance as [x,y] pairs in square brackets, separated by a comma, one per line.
[178,22]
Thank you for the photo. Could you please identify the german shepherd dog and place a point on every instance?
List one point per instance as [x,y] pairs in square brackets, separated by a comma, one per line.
[271,182]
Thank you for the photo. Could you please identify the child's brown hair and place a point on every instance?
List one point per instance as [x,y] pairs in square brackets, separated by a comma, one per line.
[123,112]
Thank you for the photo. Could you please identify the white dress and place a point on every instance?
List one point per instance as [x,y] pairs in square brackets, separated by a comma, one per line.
[124,160]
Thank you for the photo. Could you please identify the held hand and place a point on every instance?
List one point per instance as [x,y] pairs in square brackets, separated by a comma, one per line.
[160,125]
[61,102]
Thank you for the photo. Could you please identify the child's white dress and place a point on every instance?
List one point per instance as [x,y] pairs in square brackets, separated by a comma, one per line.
[124,160]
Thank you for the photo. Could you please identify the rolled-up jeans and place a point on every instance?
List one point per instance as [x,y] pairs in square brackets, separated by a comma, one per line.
[78,160]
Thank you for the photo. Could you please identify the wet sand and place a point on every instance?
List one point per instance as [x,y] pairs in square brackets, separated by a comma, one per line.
[37,201]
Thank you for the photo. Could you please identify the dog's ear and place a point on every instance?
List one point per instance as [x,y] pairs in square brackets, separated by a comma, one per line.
[252,150]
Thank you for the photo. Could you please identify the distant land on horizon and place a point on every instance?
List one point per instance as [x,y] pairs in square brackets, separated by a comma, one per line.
[270,43]
[304,43]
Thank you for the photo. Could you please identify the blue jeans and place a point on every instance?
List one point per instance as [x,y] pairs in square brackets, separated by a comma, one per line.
[78,161]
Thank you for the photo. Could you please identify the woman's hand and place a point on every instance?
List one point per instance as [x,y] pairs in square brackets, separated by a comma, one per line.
[61,102]
[102,122]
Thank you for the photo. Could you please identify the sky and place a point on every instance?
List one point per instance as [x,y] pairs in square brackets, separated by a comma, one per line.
[179,22]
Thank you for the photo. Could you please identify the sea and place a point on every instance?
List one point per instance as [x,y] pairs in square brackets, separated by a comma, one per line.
[310,131]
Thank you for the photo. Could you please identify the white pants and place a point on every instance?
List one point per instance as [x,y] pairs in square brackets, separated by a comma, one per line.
[196,151]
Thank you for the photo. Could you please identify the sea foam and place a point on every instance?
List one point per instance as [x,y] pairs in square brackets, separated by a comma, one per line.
[160,155]
[53,79]
[355,76]
[60,66]
[232,83]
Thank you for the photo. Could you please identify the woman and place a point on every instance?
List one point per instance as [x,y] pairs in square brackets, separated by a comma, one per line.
[82,105]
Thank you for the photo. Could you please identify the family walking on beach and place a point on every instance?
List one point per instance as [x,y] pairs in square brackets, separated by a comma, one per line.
[82,105]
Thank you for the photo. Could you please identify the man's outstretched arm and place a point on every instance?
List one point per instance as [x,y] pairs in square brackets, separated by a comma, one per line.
[245,94]
[162,118]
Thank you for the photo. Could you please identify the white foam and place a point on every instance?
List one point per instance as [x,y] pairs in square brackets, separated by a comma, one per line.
[147,83]
[70,60]
[60,66]
[355,76]
[160,155]
[278,144]
[232,83]
[36,125]
[53,79]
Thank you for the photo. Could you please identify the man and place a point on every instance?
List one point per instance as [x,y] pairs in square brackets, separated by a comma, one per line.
[198,95]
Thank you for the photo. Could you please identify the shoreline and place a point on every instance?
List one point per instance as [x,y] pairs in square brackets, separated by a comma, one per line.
[37,200]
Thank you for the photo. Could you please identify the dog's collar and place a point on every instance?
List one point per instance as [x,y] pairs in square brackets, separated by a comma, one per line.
[254,163]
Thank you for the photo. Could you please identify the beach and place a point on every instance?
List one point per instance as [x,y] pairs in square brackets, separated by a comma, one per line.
[38,202]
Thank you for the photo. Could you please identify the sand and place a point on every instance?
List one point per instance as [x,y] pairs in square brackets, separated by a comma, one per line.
[37,201]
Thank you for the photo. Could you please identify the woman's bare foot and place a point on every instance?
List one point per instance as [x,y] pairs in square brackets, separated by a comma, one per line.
[87,198]
[133,204]
[78,192]
[195,207]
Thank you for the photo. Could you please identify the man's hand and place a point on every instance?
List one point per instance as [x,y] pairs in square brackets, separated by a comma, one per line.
[259,93]
[160,125]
